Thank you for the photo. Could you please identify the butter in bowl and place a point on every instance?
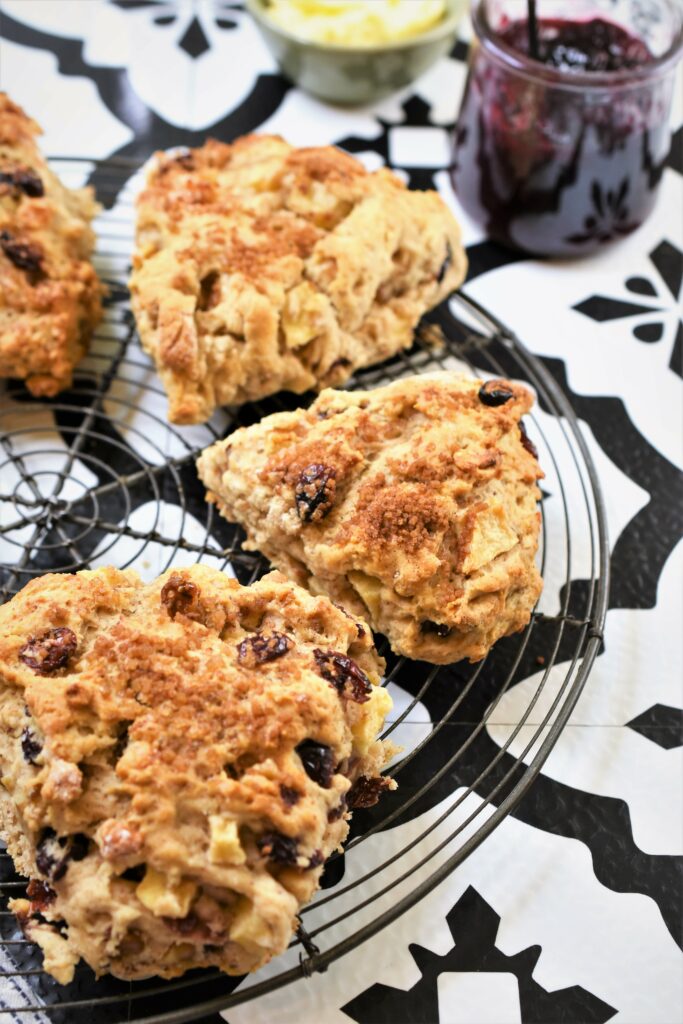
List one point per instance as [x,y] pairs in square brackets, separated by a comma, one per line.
[355,51]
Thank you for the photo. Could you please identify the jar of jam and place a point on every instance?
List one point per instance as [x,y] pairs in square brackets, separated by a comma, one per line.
[563,132]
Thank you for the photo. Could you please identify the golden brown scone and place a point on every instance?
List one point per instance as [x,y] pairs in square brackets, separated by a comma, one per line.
[50,295]
[260,267]
[413,505]
[177,761]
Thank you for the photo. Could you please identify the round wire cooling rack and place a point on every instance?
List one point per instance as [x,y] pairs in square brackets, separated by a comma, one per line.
[98,476]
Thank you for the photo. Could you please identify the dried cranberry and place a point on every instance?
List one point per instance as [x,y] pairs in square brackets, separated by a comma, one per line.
[22,254]
[26,181]
[50,651]
[278,848]
[53,852]
[31,745]
[290,796]
[315,492]
[40,894]
[495,392]
[443,269]
[316,859]
[527,443]
[366,792]
[254,650]
[134,874]
[343,673]
[181,597]
[318,761]
[439,628]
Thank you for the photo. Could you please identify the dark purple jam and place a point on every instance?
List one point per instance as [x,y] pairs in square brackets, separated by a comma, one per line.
[554,170]
[595,45]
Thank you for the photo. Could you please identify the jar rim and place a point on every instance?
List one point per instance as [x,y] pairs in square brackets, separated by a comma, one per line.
[534,70]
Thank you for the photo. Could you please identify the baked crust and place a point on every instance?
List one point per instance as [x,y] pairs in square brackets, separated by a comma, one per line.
[261,267]
[177,761]
[50,295]
[413,505]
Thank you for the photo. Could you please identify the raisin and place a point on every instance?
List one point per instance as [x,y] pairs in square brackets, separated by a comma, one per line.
[439,628]
[50,651]
[134,874]
[318,761]
[527,443]
[278,848]
[31,745]
[366,792]
[343,673]
[290,796]
[186,925]
[121,741]
[256,649]
[26,181]
[443,269]
[209,291]
[315,492]
[40,894]
[48,854]
[194,929]
[495,392]
[336,812]
[78,848]
[316,859]
[181,597]
[22,254]
[54,852]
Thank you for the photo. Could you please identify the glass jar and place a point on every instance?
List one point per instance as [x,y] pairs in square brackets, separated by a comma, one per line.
[557,161]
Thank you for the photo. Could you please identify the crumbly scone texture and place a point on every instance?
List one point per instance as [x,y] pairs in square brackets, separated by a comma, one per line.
[50,295]
[261,267]
[414,505]
[177,761]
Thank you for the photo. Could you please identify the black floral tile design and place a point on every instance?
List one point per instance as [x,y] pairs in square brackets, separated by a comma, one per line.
[664,288]
[474,927]
[661,724]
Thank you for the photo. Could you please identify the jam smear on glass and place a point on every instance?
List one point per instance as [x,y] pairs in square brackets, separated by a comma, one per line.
[559,154]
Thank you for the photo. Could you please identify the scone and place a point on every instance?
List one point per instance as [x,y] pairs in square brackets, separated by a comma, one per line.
[260,267]
[413,505]
[177,761]
[50,295]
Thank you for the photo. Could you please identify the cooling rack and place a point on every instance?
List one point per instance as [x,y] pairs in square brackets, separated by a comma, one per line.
[98,476]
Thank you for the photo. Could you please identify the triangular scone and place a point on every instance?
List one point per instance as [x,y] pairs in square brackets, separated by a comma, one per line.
[414,505]
[50,295]
[261,267]
[178,759]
